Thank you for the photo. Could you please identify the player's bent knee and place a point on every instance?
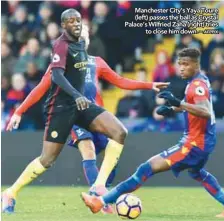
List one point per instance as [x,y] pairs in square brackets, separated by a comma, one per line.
[47,161]
[120,135]
[158,164]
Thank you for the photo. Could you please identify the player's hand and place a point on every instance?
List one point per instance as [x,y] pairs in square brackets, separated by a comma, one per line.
[156,86]
[82,103]
[172,100]
[14,122]
[165,111]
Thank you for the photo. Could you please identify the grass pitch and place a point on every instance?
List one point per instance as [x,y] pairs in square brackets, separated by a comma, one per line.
[159,204]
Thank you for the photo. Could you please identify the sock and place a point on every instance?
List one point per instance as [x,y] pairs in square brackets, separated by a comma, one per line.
[143,172]
[112,155]
[32,171]
[210,183]
[111,177]
[90,170]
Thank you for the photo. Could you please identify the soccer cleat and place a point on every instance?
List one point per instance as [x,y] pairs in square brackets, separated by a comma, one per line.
[94,203]
[8,203]
[221,215]
[108,209]
[100,190]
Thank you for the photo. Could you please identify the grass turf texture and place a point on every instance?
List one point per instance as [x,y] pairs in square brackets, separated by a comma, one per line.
[159,204]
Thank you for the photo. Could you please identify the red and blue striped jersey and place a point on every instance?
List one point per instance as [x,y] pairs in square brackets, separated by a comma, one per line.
[199,131]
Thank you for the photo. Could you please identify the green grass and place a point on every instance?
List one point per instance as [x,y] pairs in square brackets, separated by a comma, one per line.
[159,204]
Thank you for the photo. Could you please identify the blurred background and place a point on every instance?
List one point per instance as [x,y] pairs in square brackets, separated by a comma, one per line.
[30,27]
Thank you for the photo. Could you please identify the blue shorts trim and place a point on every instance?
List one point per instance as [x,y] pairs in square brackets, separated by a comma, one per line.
[77,134]
[182,157]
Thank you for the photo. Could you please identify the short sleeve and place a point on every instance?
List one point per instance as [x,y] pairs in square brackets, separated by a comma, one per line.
[59,54]
[198,91]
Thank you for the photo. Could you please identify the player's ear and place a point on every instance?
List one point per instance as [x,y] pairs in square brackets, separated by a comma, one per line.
[63,25]
[197,64]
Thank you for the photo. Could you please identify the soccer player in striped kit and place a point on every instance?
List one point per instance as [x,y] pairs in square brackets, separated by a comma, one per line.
[194,148]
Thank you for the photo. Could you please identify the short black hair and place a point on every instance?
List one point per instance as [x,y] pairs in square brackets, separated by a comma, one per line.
[193,53]
[68,13]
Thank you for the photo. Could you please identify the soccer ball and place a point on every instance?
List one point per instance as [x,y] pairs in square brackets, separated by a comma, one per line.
[128,206]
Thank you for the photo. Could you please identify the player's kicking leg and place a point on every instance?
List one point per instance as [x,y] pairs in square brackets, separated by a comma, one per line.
[31,172]
[87,150]
[108,124]
[146,170]
[86,142]
[211,185]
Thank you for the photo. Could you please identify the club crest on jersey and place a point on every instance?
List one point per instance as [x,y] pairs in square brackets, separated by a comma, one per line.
[54,134]
[79,132]
[200,91]
[91,60]
[56,58]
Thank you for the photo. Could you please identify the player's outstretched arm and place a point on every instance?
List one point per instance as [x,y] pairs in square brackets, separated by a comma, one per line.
[34,96]
[112,77]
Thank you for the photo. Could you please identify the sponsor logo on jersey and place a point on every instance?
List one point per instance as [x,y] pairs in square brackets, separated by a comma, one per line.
[74,55]
[81,65]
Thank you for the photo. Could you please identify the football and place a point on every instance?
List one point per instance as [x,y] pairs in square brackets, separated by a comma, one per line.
[128,206]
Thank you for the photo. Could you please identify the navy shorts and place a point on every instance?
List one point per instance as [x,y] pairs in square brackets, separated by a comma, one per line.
[77,134]
[181,157]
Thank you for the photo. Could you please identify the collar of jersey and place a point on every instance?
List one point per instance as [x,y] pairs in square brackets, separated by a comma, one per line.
[198,75]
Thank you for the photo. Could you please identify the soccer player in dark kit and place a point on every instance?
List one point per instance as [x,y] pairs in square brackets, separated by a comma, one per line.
[192,151]
[81,138]
[66,106]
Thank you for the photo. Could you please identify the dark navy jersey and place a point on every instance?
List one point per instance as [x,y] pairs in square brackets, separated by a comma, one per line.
[72,57]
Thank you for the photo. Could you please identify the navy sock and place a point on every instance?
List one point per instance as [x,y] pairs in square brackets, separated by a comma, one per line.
[111,177]
[143,172]
[90,170]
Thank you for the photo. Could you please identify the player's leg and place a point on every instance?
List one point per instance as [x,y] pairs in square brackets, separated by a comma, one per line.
[87,150]
[175,158]
[86,141]
[111,177]
[146,170]
[109,125]
[83,140]
[209,182]
[56,133]
[34,169]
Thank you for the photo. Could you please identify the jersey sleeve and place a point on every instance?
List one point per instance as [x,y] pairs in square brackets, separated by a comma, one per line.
[36,94]
[112,77]
[59,54]
[198,91]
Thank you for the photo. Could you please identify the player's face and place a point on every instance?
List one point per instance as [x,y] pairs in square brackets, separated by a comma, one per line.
[187,67]
[73,25]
